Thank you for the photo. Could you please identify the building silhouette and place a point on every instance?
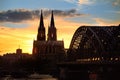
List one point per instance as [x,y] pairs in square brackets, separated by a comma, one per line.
[50,47]
[18,51]
[13,57]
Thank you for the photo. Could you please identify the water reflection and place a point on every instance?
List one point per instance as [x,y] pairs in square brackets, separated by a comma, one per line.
[34,76]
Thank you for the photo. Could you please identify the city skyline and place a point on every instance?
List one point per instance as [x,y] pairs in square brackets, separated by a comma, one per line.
[19,20]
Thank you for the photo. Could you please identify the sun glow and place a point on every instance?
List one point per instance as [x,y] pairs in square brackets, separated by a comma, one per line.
[27,46]
[11,38]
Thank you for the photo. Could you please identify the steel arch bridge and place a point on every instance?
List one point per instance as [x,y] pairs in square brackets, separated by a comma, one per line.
[95,41]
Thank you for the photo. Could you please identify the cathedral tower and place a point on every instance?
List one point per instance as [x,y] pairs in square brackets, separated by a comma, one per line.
[51,48]
[52,33]
[41,30]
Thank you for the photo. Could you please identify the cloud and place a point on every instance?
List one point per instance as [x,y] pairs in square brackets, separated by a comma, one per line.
[116,3]
[19,15]
[68,13]
[100,21]
[14,33]
[118,12]
[81,2]
[104,22]
[90,2]
[86,2]
[15,15]
[115,11]
[2,28]
[71,1]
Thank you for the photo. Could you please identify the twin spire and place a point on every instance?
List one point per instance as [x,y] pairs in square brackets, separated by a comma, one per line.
[52,21]
[41,21]
[52,36]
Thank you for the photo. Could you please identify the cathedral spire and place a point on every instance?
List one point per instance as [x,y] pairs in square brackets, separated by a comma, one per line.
[52,24]
[41,25]
[52,33]
[41,30]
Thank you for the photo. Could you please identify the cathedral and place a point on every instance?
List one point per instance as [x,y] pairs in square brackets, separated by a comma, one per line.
[47,47]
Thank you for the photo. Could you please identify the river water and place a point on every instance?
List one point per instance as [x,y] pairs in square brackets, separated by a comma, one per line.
[30,77]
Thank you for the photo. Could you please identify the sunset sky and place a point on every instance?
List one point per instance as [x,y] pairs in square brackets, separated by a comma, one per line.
[19,19]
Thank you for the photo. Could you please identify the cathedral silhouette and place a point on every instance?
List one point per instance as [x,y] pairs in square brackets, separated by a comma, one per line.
[50,47]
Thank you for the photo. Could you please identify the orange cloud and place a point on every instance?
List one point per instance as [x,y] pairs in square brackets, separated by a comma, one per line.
[85,1]
[105,22]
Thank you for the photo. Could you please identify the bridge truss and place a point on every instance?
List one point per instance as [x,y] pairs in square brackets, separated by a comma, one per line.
[101,42]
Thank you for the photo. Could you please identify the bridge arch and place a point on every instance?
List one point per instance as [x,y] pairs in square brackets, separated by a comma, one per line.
[93,41]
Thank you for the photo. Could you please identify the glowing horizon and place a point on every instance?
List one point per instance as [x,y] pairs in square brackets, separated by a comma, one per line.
[25,40]
[19,20]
